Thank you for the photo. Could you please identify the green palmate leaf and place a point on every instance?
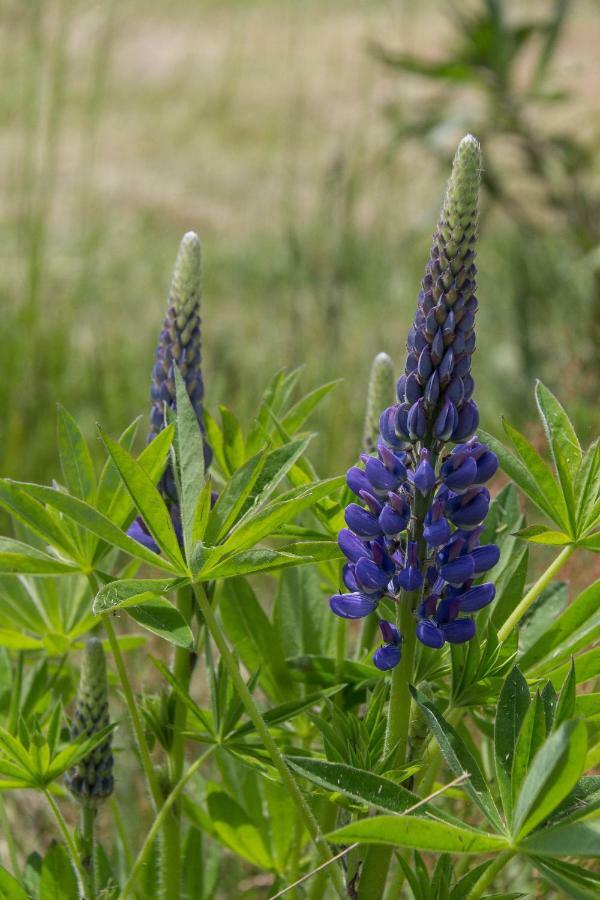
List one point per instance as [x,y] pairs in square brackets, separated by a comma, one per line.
[301,410]
[579,839]
[18,558]
[587,666]
[540,534]
[587,486]
[35,516]
[160,617]
[110,480]
[287,711]
[277,465]
[510,585]
[236,830]
[58,881]
[513,704]
[583,800]
[254,638]
[419,834]
[248,562]
[16,640]
[554,773]
[575,881]
[588,705]
[531,737]
[147,500]
[540,472]
[534,625]
[97,523]
[75,459]
[232,498]
[591,542]
[459,758]
[518,472]
[124,593]
[504,516]
[301,617]
[10,889]
[561,631]
[565,707]
[189,458]
[153,459]
[361,786]
[564,445]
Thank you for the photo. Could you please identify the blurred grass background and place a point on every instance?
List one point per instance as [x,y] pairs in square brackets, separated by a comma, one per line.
[308,143]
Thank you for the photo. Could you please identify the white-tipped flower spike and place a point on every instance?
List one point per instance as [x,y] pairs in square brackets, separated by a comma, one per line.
[91,780]
[380,395]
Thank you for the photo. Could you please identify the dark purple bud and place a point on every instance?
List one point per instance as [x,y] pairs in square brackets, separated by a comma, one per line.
[425,366]
[485,557]
[416,421]
[446,366]
[349,578]
[436,533]
[427,608]
[369,577]
[460,631]
[357,480]
[462,477]
[391,522]
[392,461]
[137,530]
[468,420]
[401,389]
[352,606]
[424,477]
[447,610]
[430,635]
[477,598]
[437,348]
[487,466]
[432,390]
[455,391]
[372,502]
[468,386]
[380,477]
[387,428]
[389,632]
[445,422]
[458,570]
[387,657]
[351,546]
[413,390]
[362,522]
[401,422]
[462,365]
[410,578]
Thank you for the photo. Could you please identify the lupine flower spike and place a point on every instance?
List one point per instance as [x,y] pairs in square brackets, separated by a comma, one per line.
[91,780]
[414,534]
[380,394]
[179,345]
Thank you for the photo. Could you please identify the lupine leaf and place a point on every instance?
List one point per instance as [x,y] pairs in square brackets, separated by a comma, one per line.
[587,486]
[232,498]
[575,881]
[153,460]
[554,773]
[277,465]
[540,534]
[247,562]
[58,879]
[513,704]
[531,737]
[417,833]
[110,480]
[88,517]
[587,666]
[35,516]
[510,586]
[189,458]
[75,459]
[564,445]
[540,472]
[147,499]
[249,629]
[233,441]
[518,472]
[458,758]
[301,617]
[592,542]
[18,558]
[562,629]
[301,410]
[10,889]
[236,830]
[160,617]
[536,623]
[565,707]
[579,839]
[122,593]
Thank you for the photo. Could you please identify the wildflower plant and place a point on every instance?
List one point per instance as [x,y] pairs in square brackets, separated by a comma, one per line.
[437,748]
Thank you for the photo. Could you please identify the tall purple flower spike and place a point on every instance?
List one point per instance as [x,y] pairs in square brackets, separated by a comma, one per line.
[414,531]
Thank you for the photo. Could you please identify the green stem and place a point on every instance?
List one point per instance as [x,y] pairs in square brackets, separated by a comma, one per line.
[367,637]
[340,648]
[122,832]
[88,857]
[271,747]
[534,592]
[490,873]
[433,754]
[68,839]
[171,846]
[136,722]
[10,840]
[159,820]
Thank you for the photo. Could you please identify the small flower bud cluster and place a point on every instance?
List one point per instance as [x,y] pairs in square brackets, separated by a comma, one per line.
[91,780]
[414,534]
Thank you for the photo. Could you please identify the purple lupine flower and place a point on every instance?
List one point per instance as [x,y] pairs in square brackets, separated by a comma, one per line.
[414,534]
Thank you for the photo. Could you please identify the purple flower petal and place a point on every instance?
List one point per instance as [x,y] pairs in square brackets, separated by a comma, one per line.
[137,531]
[430,635]
[387,657]
[352,606]
[477,597]
[460,631]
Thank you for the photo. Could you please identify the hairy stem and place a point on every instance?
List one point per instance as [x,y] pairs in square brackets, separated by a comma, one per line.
[88,857]
[271,747]
[534,592]
[490,873]
[68,839]
[159,821]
